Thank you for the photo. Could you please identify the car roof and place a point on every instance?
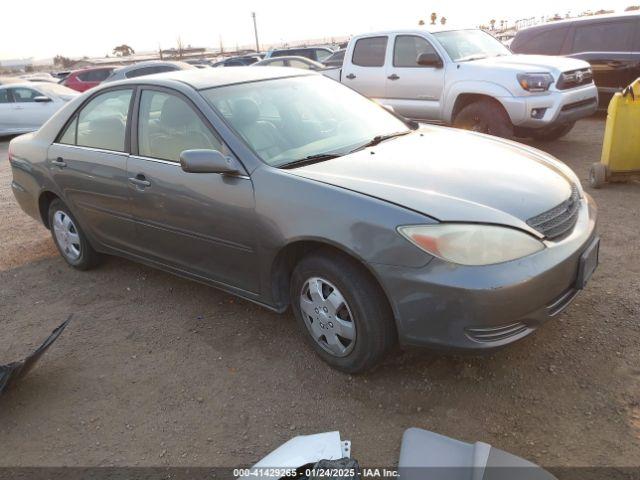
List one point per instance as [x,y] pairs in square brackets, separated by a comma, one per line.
[31,85]
[585,19]
[217,77]
[154,63]
[286,57]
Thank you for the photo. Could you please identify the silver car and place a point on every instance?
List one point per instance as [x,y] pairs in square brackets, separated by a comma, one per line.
[24,107]
[141,69]
[291,190]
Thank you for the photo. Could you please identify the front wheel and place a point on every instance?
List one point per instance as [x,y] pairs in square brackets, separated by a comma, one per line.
[341,311]
[485,116]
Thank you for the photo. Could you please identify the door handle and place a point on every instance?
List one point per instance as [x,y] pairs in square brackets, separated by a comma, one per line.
[140,181]
[59,162]
[19,107]
[351,76]
[393,77]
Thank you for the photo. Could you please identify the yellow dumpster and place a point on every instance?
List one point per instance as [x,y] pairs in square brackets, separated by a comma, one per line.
[621,148]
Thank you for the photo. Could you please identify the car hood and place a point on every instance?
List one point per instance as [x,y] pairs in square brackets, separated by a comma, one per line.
[533,63]
[453,175]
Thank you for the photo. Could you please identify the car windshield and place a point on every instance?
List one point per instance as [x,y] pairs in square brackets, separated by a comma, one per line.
[288,120]
[465,45]
[57,89]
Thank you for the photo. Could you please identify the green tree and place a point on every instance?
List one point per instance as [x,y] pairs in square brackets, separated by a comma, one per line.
[123,50]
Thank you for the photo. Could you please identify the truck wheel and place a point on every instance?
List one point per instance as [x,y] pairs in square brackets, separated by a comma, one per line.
[597,175]
[553,133]
[70,239]
[485,116]
[341,311]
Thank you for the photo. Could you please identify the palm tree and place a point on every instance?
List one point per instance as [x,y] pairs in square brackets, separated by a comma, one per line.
[123,50]
[434,17]
[493,24]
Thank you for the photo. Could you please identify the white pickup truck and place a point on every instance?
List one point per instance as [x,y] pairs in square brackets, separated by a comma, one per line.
[468,79]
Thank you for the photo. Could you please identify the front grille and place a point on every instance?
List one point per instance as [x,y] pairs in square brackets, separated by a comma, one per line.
[581,103]
[575,78]
[559,221]
[495,334]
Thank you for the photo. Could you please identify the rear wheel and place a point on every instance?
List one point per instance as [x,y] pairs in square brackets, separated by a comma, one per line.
[554,133]
[342,312]
[485,116]
[69,238]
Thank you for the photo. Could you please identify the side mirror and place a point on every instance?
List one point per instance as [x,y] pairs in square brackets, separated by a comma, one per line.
[41,99]
[429,59]
[208,161]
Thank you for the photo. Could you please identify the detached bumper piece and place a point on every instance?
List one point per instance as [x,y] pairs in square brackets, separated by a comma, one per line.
[11,373]
[427,455]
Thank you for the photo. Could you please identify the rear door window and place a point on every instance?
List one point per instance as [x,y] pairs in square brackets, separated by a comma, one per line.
[370,52]
[322,55]
[604,37]
[102,122]
[4,96]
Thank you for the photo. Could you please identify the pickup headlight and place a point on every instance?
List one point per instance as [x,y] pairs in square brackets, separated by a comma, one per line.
[472,244]
[535,82]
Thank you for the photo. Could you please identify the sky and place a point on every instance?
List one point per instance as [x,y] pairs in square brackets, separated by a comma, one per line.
[76,28]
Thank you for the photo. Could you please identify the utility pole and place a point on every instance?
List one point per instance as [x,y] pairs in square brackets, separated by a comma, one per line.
[255,31]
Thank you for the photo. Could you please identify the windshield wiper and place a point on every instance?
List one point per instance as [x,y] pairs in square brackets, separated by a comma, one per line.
[318,157]
[472,57]
[379,139]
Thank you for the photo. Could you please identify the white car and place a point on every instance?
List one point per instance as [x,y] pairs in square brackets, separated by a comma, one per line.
[24,107]
[468,79]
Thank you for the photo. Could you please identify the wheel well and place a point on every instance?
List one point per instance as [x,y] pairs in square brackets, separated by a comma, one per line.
[43,205]
[465,99]
[288,258]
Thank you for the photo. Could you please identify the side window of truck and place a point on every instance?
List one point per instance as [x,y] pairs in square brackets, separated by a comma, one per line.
[370,52]
[407,48]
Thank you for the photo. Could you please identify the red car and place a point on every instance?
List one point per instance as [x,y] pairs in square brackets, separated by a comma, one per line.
[87,78]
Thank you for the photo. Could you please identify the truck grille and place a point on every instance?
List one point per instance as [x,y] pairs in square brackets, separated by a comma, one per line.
[560,220]
[575,78]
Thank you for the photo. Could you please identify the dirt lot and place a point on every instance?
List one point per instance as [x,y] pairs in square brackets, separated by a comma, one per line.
[156,370]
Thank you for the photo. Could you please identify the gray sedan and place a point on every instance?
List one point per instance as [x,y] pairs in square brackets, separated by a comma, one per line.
[291,190]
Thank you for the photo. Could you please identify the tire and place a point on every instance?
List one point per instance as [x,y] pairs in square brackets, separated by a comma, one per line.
[597,175]
[70,239]
[372,330]
[553,133]
[485,116]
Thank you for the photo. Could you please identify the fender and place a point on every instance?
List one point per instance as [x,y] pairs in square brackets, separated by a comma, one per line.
[515,107]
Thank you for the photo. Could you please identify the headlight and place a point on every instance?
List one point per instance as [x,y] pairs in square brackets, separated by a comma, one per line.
[471,244]
[535,82]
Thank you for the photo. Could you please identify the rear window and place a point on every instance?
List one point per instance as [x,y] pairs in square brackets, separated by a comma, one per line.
[141,72]
[545,42]
[604,37]
[370,52]
[95,75]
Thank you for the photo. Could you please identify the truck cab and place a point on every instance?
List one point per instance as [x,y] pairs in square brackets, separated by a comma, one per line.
[467,78]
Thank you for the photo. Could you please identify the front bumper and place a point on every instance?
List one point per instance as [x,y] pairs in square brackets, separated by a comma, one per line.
[559,106]
[442,305]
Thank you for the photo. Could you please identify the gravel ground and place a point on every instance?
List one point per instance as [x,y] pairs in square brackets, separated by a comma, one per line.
[157,370]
